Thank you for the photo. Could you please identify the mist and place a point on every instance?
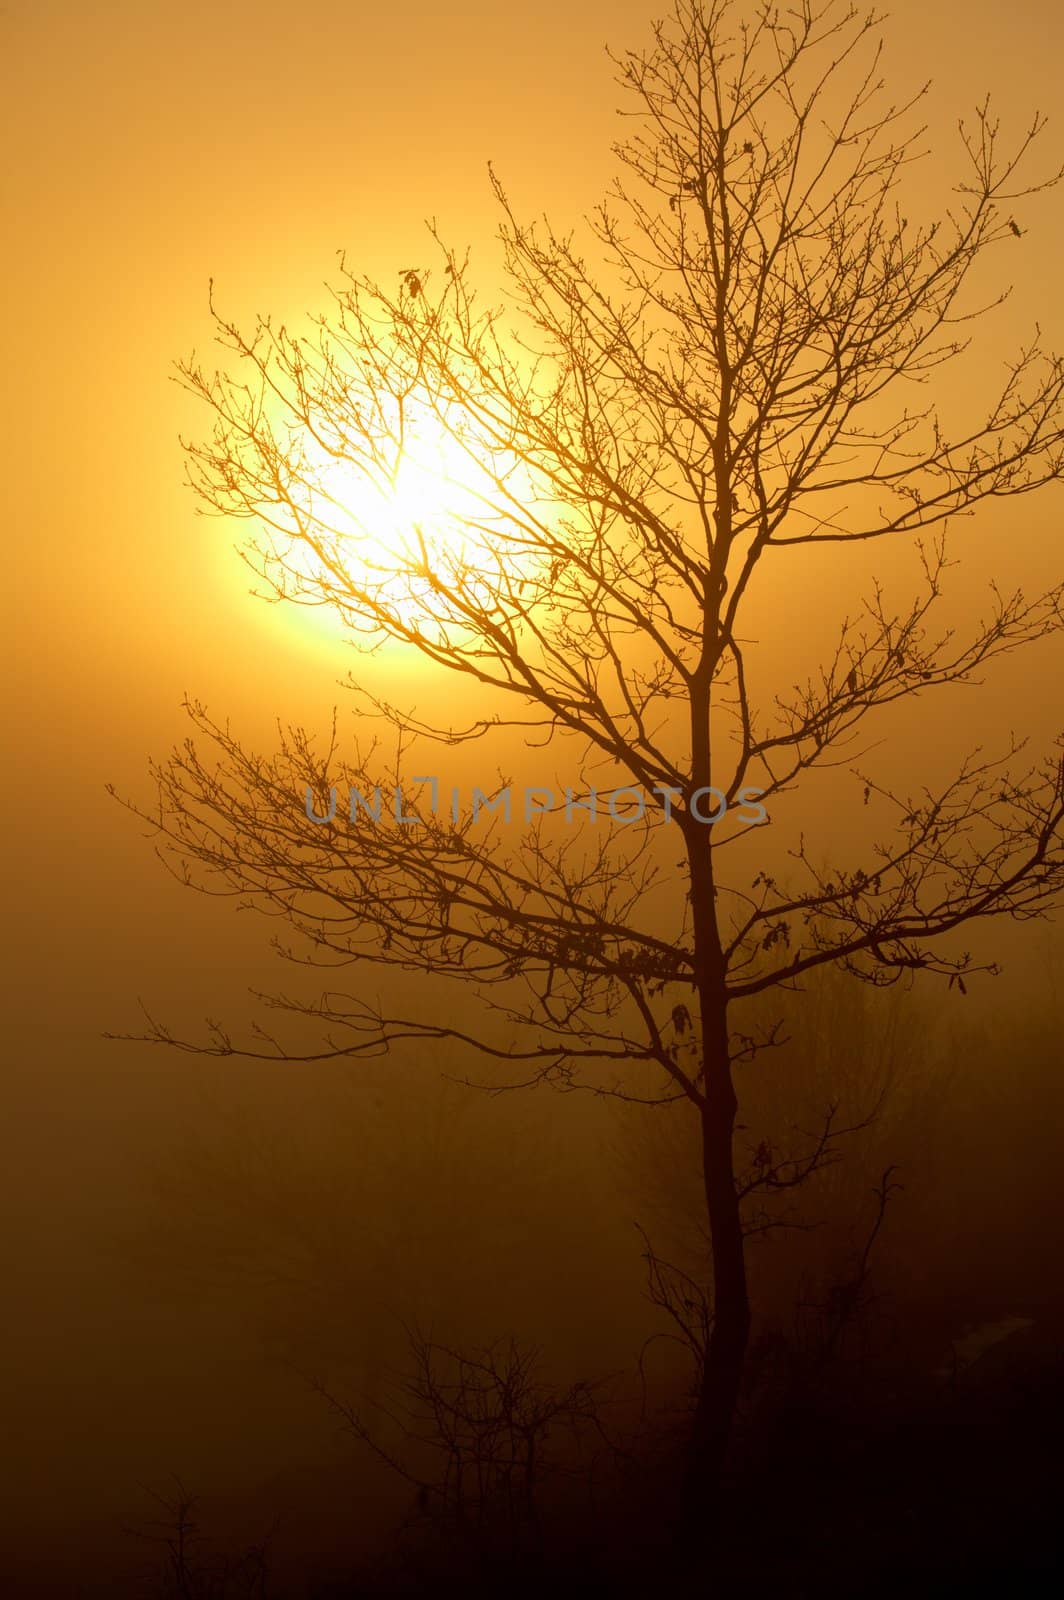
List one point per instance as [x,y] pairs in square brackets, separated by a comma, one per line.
[275,1314]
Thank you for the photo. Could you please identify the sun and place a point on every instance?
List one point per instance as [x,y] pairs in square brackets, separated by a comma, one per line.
[416,532]
[399,536]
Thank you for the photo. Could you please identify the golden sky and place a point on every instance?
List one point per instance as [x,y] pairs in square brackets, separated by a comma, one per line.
[151,145]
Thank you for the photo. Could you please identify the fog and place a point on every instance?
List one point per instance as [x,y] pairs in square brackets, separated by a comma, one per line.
[212,1264]
[193,1249]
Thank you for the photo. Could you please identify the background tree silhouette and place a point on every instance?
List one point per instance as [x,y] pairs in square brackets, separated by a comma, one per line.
[640,443]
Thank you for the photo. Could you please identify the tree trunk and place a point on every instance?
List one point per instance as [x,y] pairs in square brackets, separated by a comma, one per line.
[721,1376]
[730,1330]
[722,1373]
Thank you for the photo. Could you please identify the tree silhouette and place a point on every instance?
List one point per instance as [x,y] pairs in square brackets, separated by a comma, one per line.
[641,442]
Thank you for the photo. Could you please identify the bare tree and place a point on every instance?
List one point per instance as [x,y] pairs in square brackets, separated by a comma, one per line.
[190,1570]
[477,1438]
[643,443]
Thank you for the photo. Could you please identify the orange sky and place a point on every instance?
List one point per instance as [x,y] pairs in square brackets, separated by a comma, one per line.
[149,146]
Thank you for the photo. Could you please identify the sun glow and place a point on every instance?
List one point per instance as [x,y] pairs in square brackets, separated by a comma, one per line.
[400,536]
